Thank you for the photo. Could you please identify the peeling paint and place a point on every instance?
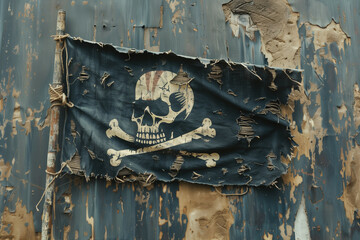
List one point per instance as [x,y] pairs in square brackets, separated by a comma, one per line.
[285,231]
[351,168]
[268,236]
[294,181]
[5,170]
[342,111]
[29,121]
[90,220]
[240,20]
[311,134]
[18,224]
[322,38]
[277,24]
[208,213]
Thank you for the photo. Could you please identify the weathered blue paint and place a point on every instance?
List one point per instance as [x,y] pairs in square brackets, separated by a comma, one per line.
[26,51]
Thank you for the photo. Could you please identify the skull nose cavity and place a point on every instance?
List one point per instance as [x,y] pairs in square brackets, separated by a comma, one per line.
[148,131]
[148,119]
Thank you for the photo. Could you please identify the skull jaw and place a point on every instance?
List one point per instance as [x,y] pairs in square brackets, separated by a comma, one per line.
[149,135]
[153,134]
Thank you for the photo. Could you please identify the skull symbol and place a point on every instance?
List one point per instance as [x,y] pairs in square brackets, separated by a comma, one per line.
[157,101]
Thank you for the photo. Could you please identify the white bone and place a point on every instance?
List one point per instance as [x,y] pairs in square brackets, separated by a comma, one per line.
[209,158]
[198,133]
[115,130]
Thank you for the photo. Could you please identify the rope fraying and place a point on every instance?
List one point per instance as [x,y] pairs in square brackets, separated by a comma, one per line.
[55,175]
[59,37]
[57,97]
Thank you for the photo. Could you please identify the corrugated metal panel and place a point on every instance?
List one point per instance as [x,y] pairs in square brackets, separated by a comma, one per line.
[321,185]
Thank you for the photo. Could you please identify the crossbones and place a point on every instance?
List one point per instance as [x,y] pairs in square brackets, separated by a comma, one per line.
[203,131]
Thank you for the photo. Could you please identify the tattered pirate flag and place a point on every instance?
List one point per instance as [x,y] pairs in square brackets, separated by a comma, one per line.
[144,115]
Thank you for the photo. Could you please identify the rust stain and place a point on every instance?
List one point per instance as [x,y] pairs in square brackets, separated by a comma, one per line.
[1,103]
[18,224]
[208,213]
[28,11]
[161,16]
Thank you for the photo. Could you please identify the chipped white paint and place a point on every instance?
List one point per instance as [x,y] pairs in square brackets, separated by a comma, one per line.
[301,225]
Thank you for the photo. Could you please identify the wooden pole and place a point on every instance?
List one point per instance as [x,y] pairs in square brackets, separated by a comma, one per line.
[54,132]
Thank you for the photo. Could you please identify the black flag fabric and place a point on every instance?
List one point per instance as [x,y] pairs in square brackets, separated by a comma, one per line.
[161,116]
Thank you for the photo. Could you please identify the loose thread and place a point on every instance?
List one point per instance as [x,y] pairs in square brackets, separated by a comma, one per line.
[56,175]
[232,194]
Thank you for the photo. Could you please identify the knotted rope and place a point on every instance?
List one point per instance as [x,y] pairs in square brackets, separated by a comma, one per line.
[59,37]
[57,97]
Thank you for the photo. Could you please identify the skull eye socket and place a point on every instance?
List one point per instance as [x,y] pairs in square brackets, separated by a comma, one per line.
[157,107]
[177,101]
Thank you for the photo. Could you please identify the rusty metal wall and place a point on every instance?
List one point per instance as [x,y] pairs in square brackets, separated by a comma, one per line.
[316,199]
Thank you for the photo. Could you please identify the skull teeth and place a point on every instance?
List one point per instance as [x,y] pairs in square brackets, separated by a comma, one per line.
[149,135]
[150,138]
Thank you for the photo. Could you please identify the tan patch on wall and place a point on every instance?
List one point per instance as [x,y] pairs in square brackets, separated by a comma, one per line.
[312,131]
[207,211]
[18,224]
[178,13]
[277,24]
[322,38]
[268,236]
[150,34]
[89,220]
[351,197]
[5,170]
[351,168]
[294,180]
[356,105]
[28,11]
[342,111]
[66,232]
[286,230]
[30,118]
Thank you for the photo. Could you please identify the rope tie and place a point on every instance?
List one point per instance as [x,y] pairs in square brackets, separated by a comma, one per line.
[59,37]
[57,97]
[56,175]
